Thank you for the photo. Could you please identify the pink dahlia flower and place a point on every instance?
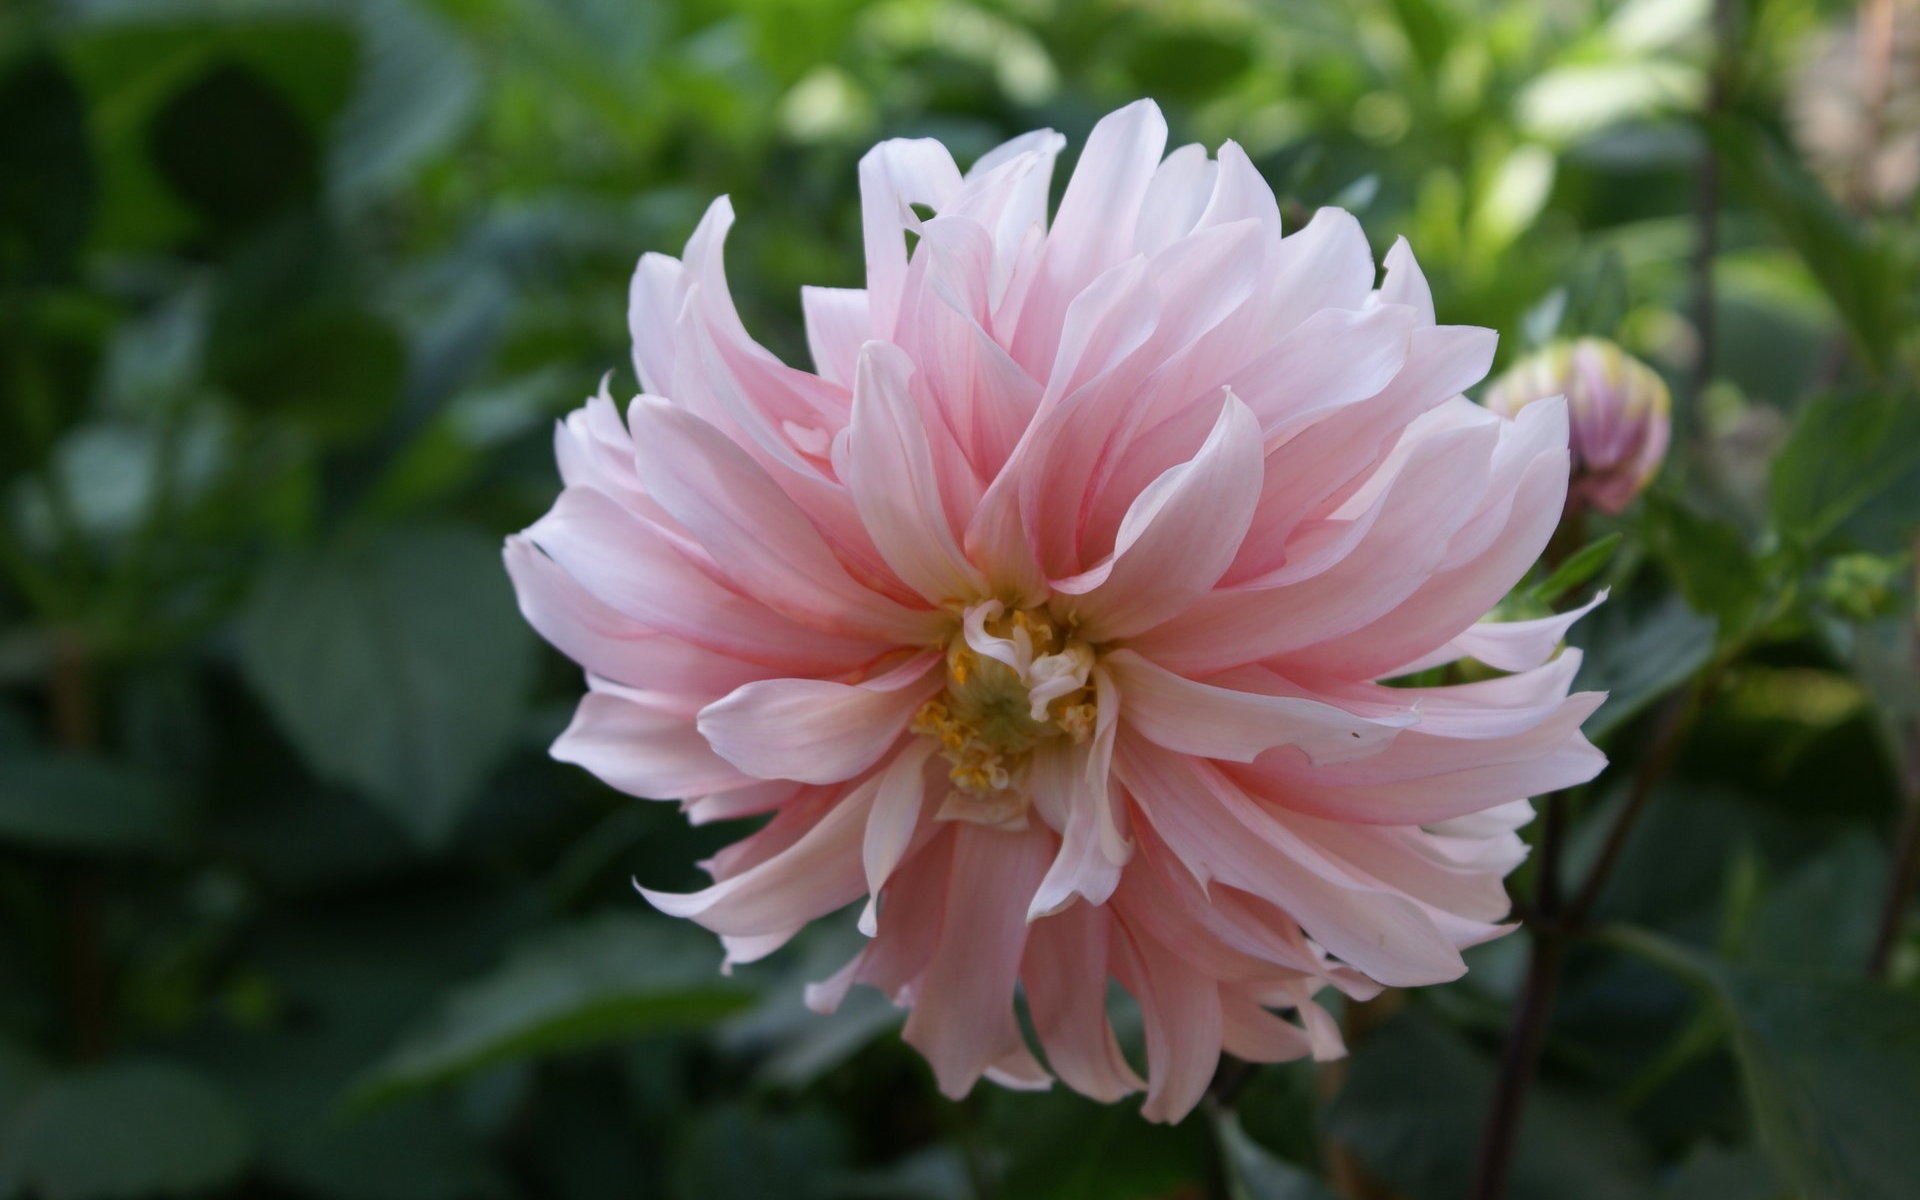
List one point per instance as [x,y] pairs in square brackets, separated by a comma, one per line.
[1047,616]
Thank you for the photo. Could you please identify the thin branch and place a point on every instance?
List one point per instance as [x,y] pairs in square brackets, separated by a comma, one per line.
[1675,720]
[75,720]
[1906,871]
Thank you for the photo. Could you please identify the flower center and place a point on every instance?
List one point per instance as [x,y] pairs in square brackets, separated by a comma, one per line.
[1014,680]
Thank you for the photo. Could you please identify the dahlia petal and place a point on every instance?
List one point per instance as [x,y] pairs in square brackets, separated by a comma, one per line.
[1436,779]
[838,322]
[1227,722]
[762,797]
[609,643]
[654,301]
[641,747]
[890,471]
[1094,228]
[1180,1012]
[1333,359]
[890,827]
[592,448]
[1179,535]
[817,874]
[628,565]
[1064,973]
[894,175]
[962,1018]
[1240,193]
[1251,1032]
[1403,283]
[1081,868]
[1406,539]
[1448,603]
[1177,194]
[813,730]
[1506,645]
[764,543]
[1324,264]
[1020,1071]
[1231,839]
[1307,473]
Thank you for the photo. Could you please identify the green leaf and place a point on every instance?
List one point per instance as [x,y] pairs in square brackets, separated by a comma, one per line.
[1255,1173]
[1582,565]
[1832,1068]
[1412,1107]
[234,148]
[1843,452]
[1723,1175]
[128,1129]
[730,1153]
[607,980]
[1062,1146]
[85,806]
[337,374]
[1856,271]
[396,665]
[1710,562]
[1638,654]
[1822,916]
[46,171]
[408,1152]
[418,87]
[1598,298]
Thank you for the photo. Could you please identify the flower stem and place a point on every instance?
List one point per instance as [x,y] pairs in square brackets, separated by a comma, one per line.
[1906,859]
[75,721]
[1551,926]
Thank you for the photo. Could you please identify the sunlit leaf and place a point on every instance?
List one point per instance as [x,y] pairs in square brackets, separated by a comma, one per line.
[1843,452]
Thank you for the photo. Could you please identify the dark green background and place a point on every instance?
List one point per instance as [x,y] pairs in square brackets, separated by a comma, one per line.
[292,903]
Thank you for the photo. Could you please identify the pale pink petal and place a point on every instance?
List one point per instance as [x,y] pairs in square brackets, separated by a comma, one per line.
[627,565]
[1506,645]
[1217,719]
[814,730]
[1178,537]
[838,323]
[642,747]
[890,827]
[1094,228]
[1403,283]
[890,471]
[1180,1009]
[611,644]
[962,1017]
[893,176]
[1405,542]
[1176,196]
[1069,800]
[655,299]
[754,532]
[1229,838]
[820,872]
[1064,973]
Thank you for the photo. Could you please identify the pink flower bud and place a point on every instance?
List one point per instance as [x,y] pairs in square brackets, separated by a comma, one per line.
[1618,407]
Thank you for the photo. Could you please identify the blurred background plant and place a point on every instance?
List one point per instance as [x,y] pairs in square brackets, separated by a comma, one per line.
[292,902]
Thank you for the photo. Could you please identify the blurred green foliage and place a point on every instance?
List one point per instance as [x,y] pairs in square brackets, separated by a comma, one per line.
[292,902]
